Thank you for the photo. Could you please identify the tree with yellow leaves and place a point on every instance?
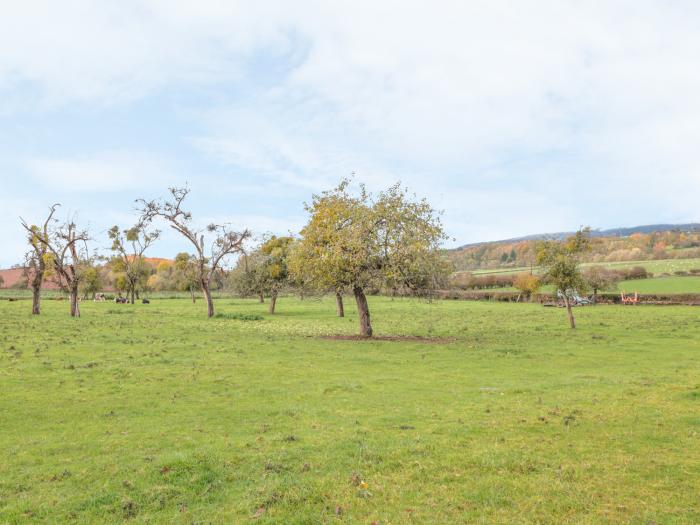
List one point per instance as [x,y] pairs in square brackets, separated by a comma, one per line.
[356,242]
[561,264]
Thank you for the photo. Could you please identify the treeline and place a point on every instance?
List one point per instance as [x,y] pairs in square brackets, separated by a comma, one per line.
[636,247]
[353,243]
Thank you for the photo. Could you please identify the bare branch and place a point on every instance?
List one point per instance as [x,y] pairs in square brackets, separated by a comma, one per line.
[224,242]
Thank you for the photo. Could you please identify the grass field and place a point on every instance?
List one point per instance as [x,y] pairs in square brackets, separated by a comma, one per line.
[663,285]
[155,414]
[656,285]
[656,267]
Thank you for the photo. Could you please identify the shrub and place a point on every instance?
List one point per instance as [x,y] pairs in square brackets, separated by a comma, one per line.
[468,281]
[528,284]
[638,272]
[600,279]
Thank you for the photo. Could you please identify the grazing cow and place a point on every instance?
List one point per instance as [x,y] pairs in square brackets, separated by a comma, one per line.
[120,300]
[99,297]
[145,301]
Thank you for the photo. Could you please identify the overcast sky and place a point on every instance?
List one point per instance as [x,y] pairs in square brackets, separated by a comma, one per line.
[512,117]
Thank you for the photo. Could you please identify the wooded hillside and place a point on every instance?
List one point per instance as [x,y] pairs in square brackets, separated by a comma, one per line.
[670,244]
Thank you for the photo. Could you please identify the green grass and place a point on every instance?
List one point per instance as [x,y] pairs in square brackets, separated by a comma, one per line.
[164,416]
[656,285]
[11,293]
[506,270]
[656,267]
[663,285]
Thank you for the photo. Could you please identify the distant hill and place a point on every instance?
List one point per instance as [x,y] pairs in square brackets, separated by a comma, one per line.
[613,232]
[653,241]
[12,276]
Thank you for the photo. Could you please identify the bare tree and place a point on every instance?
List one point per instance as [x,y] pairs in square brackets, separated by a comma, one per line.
[67,254]
[210,256]
[35,258]
[129,247]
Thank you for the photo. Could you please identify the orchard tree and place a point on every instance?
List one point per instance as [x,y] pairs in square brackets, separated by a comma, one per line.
[560,261]
[129,246]
[409,234]
[92,282]
[263,271]
[68,257]
[247,278]
[185,273]
[36,258]
[120,284]
[527,284]
[353,242]
[331,254]
[209,256]
[275,274]
[600,279]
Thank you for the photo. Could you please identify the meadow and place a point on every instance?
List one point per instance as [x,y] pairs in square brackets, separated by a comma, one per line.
[675,285]
[156,414]
[663,285]
[654,266]
[663,282]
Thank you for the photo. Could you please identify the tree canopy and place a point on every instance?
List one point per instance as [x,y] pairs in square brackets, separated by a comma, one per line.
[560,262]
[129,247]
[358,241]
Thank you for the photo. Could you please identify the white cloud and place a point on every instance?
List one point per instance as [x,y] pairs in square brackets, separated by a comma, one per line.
[107,53]
[514,117]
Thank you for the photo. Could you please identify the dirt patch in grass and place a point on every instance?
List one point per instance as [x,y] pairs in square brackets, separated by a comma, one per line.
[396,338]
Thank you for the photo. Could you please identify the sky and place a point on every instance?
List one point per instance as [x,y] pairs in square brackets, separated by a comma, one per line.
[512,118]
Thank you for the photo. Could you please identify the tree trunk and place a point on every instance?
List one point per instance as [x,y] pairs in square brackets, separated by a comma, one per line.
[261,298]
[273,302]
[36,300]
[595,295]
[131,295]
[192,294]
[363,312]
[339,308]
[207,296]
[572,321]
[74,304]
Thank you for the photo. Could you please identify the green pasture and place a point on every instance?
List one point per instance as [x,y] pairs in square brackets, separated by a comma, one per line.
[657,285]
[662,285]
[655,266]
[156,414]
